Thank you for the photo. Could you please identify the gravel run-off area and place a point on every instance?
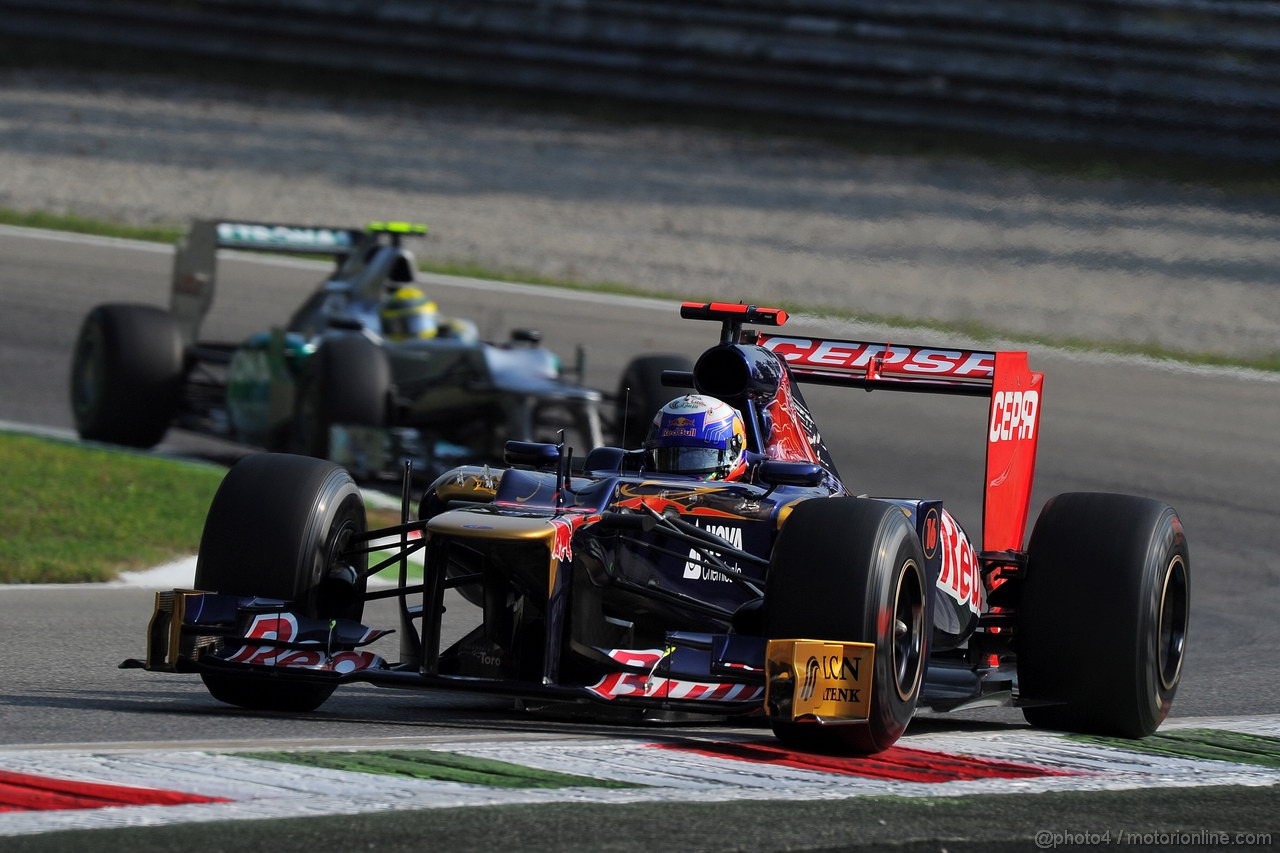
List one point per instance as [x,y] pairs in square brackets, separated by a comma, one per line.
[694,212]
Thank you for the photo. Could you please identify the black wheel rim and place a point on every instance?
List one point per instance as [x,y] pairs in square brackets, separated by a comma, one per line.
[336,588]
[908,630]
[1173,622]
[86,384]
[340,550]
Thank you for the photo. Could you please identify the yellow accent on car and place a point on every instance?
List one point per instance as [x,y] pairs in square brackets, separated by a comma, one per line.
[397,227]
[819,680]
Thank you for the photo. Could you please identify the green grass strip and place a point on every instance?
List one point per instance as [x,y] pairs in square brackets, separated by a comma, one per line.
[438,766]
[87,513]
[1212,744]
[76,224]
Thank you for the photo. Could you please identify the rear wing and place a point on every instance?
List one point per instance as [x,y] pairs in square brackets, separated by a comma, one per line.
[1013,422]
[195,258]
[885,366]
[1004,377]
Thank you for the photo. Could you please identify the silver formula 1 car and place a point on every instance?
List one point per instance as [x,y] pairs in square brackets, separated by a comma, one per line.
[331,380]
[608,583]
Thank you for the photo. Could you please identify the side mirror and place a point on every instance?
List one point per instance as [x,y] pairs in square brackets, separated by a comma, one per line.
[345,322]
[778,473]
[526,336]
[534,454]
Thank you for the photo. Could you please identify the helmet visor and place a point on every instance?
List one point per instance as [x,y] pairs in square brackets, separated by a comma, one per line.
[690,460]
[412,323]
[420,324]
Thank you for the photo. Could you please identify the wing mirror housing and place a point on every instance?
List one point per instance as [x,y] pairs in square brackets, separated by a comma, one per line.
[776,473]
[526,336]
[533,454]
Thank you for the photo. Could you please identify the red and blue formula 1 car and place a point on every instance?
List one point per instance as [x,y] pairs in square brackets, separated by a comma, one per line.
[780,593]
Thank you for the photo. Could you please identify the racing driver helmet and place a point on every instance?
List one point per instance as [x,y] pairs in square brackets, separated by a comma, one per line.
[699,436]
[407,314]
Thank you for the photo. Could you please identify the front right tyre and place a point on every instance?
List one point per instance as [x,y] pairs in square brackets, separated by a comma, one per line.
[280,526]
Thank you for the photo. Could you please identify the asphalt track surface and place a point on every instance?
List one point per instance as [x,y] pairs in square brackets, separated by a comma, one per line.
[1201,439]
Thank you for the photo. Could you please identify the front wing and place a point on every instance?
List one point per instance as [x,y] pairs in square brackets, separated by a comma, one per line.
[722,674]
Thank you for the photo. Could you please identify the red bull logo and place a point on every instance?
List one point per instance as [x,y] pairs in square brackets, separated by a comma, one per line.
[678,425]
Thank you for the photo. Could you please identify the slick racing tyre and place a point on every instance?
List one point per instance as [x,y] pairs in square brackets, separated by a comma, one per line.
[277,528]
[1102,618]
[347,381]
[852,570]
[126,375]
[641,394]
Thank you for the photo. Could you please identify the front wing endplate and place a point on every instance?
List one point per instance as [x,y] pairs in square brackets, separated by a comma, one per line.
[819,681]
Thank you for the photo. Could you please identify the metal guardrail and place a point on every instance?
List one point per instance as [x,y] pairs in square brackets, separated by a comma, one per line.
[1187,76]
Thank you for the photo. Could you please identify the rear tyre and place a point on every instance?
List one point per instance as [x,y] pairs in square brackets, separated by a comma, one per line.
[852,570]
[277,528]
[641,393]
[1102,619]
[126,375]
[348,381]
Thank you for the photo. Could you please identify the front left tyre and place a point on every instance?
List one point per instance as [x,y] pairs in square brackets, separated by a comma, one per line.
[282,526]
[346,381]
[126,374]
